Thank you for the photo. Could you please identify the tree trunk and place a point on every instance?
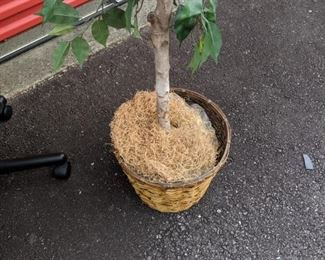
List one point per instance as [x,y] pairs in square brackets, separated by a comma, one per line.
[159,20]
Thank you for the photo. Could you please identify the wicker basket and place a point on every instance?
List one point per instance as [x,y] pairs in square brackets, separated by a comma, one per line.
[181,196]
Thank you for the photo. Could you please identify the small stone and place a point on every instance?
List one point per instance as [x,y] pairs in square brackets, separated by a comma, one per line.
[219,211]
[92,164]
[308,163]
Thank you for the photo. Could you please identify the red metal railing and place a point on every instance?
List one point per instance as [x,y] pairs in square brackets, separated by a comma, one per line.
[17,16]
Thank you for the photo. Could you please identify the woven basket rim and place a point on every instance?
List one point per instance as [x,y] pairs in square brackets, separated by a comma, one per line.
[201,178]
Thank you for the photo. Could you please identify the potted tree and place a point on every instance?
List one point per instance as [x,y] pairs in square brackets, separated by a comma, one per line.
[170,143]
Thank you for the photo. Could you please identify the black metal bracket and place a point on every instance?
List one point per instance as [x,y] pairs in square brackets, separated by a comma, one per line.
[62,168]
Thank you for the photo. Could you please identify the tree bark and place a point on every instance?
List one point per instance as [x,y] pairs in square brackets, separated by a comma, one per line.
[159,20]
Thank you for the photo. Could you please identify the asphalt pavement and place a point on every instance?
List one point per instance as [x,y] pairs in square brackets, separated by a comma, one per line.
[270,82]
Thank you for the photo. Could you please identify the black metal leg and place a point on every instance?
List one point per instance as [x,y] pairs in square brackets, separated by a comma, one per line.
[62,168]
[62,171]
[5,110]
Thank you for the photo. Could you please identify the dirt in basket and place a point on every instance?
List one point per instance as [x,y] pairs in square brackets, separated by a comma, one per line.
[182,154]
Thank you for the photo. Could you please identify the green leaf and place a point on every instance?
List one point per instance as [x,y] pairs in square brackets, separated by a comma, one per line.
[128,14]
[187,18]
[210,11]
[210,16]
[202,52]
[196,60]
[136,32]
[80,49]
[189,9]
[59,54]
[61,29]
[183,24]
[209,45]
[48,8]
[212,4]
[115,18]
[207,48]
[100,31]
[194,7]
[64,14]
[215,39]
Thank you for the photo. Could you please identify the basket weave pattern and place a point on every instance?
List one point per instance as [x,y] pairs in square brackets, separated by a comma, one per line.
[181,196]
